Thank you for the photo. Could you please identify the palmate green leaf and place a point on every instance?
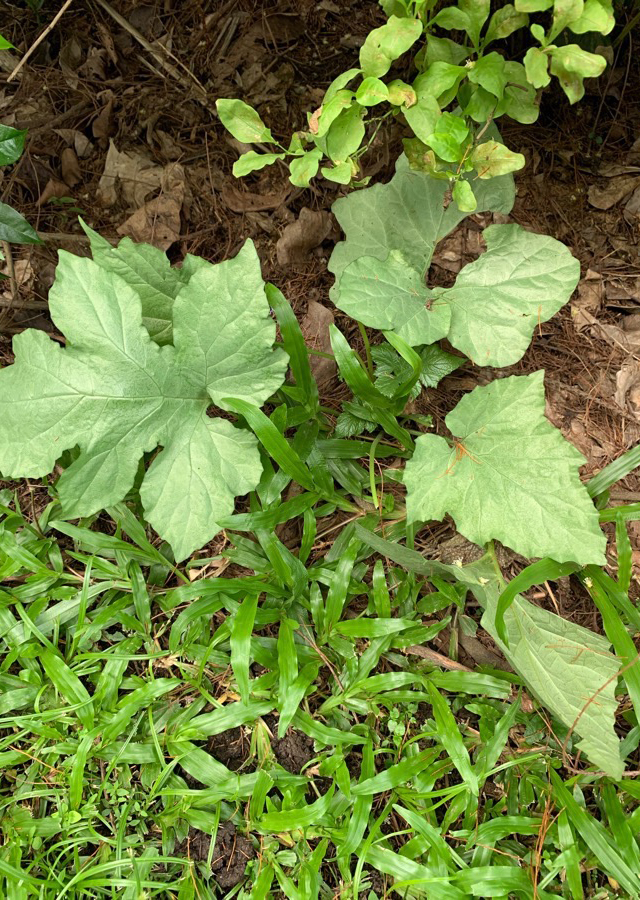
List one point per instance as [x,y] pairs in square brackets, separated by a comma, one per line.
[489,314]
[509,475]
[148,271]
[408,214]
[117,394]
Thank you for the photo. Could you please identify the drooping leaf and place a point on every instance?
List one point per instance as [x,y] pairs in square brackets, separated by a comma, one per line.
[243,122]
[117,394]
[385,44]
[536,64]
[491,311]
[571,65]
[464,197]
[408,214]
[253,162]
[14,228]
[372,91]
[504,22]
[11,144]
[563,664]
[304,168]
[509,475]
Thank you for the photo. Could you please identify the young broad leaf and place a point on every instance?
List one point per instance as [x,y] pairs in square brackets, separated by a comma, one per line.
[491,311]
[509,475]
[491,158]
[371,92]
[571,65]
[408,214]
[253,162]
[392,369]
[563,664]
[11,144]
[243,122]
[385,44]
[14,228]
[598,15]
[304,168]
[117,395]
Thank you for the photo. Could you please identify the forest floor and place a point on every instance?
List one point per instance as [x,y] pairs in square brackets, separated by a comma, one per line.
[119,103]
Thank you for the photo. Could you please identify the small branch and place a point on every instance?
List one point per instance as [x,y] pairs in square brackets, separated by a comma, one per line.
[13,300]
[52,24]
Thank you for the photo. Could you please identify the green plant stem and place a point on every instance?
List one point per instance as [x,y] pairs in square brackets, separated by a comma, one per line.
[367,349]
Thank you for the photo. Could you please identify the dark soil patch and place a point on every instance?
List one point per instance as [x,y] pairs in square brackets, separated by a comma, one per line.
[231,853]
[293,751]
[231,748]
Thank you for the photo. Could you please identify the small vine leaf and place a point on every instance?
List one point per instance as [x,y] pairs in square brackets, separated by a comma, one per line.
[253,162]
[504,22]
[509,476]
[491,158]
[571,65]
[498,300]
[392,296]
[408,214]
[371,92]
[243,122]
[304,168]
[116,394]
[11,144]
[387,43]
[536,64]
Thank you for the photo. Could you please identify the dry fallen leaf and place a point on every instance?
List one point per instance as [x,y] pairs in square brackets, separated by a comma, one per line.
[102,126]
[137,176]
[315,328]
[245,201]
[631,210]
[158,221]
[611,193]
[588,299]
[298,239]
[54,188]
[70,167]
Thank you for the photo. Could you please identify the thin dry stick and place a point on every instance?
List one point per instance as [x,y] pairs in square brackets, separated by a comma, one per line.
[10,304]
[436,658]
[155,52]
[52,24]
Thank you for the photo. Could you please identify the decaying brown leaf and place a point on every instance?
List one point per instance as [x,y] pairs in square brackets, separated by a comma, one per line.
[158,221]
[301,237]
[70,167]
[136,175]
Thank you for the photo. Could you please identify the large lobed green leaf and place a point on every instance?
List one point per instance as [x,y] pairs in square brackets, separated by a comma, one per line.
[490,313]
[509,475]
[409,214]
[117,395]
